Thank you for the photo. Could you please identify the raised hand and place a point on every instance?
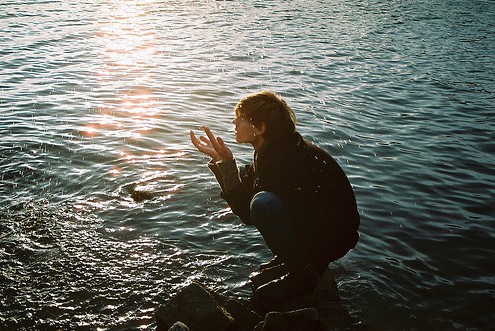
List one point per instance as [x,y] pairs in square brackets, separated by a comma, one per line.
[212,146]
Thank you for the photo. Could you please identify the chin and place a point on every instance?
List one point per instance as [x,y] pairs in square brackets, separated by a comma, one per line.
[242,139]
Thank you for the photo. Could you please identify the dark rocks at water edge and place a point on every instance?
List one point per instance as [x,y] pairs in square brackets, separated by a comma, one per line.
[197,308]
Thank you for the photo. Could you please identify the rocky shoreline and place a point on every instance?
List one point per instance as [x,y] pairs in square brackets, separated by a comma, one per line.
[197,308]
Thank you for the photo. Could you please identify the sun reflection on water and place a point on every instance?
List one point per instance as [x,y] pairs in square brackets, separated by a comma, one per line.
[125,37]
[127,45]
[126,115]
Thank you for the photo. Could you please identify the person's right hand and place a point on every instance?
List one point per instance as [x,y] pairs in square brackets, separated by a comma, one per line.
[211,146]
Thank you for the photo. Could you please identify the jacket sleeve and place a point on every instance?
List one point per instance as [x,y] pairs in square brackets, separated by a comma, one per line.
[226,173]
[233,190]
[239,201]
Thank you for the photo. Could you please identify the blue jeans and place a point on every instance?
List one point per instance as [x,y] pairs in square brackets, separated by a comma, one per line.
[272,219]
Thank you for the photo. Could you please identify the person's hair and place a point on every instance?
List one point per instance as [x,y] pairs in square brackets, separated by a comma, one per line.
[270,109]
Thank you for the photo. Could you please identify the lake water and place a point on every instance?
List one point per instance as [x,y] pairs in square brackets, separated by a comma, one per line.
[96,102]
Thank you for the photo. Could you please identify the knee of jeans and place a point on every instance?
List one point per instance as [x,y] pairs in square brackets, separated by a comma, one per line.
[261,204]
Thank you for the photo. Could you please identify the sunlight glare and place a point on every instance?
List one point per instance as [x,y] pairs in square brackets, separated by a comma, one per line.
[128,113]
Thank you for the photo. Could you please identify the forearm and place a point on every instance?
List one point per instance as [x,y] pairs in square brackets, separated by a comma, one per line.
[226,173]
[233,190]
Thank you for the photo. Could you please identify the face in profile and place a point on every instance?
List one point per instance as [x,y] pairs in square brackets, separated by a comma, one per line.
[245,131]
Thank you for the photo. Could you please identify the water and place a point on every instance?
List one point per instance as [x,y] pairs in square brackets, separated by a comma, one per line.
[96,101]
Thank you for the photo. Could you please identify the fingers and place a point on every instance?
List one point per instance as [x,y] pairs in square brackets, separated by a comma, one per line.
[205,140]
[194,140]
[197,141]
[212,146]
[212,138]
[225,151]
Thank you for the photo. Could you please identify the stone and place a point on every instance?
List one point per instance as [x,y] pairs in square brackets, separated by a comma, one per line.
[324,299]
[296,320]
[333,315]
[179,326]
[264,276]
[246,319]
[326,290]
[195,307]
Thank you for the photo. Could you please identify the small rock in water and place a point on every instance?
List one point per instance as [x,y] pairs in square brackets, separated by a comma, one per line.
[139,193]
[139,196]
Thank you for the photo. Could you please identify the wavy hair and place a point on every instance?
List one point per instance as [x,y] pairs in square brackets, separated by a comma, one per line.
[268,108]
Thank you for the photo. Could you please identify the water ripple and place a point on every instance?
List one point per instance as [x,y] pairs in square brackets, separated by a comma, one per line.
[107,209]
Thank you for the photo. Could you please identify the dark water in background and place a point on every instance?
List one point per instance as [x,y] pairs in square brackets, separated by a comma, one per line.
[96,101]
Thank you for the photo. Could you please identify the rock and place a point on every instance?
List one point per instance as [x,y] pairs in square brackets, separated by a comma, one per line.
[326,287]
[246,319]
[296,320]
[333,315]
[140,192]
[326,290]
[179,326]
[199,309]
[259,278]
[195,307]
[324,299]
[304,301]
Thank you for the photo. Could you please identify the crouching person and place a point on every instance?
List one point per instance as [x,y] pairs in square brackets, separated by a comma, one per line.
[293,192]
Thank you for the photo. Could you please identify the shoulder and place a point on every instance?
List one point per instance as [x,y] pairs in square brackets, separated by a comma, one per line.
[313,150]
[321,159]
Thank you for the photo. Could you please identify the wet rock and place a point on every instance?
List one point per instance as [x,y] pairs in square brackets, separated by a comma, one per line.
[195,307]
[333,316]
[246,319]
[139,193]
[262,277]
[179,326]
[295,320]
[202,310]
[325,300]
[325,291]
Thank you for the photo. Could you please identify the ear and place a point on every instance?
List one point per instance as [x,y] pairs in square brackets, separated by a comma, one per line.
[260,129]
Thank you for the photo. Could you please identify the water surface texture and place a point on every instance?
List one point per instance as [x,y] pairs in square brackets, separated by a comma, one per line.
[107,210]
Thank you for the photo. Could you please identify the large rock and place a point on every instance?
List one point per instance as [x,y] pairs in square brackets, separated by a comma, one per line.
[196,308]
[325,291]
[324,300]
[296,320]
[200,309]
[333,316]
[246,319]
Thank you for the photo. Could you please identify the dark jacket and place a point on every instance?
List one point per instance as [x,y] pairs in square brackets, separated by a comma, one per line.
[314,189]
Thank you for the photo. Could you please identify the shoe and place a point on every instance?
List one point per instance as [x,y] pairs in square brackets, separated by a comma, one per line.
[270,264]
[292,284]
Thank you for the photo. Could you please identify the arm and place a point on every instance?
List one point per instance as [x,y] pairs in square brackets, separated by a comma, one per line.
[226,173]
[222,162]
[224,167]
[233,189]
